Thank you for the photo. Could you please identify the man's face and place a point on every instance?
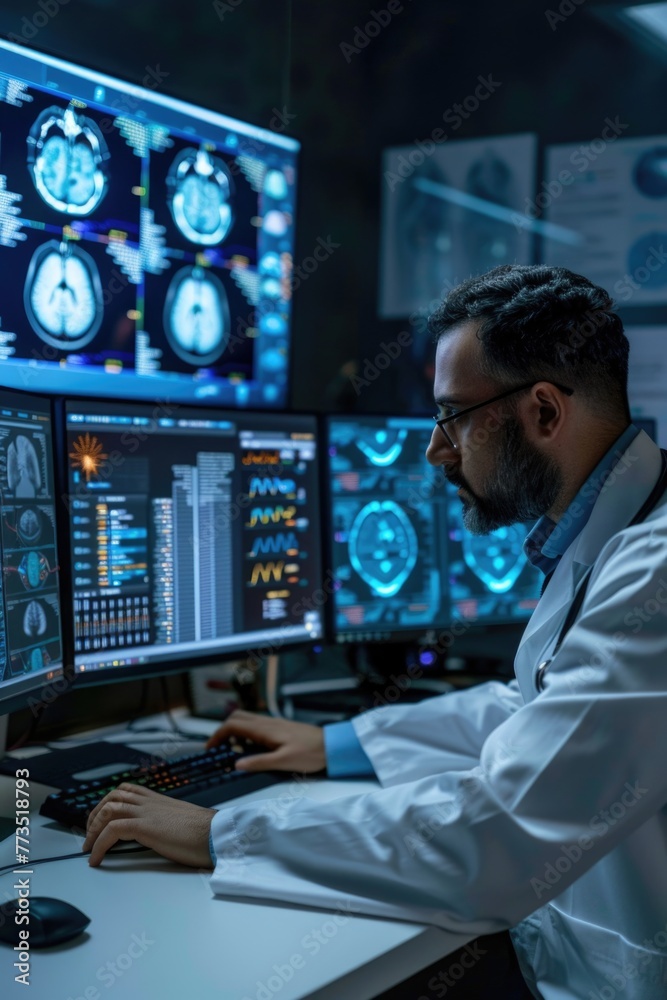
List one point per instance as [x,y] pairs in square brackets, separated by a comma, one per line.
[502,477]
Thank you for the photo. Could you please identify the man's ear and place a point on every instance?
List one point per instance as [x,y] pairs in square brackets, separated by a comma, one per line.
[543,412]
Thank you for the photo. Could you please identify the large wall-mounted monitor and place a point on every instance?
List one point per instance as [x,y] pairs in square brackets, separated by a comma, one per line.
[403,564]
[146,244]
[30,626]
[194,534]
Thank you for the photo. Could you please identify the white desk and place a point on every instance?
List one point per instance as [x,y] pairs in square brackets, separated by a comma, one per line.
[196,945]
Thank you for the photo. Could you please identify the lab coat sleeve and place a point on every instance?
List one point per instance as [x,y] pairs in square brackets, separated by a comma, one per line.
[560,782]
[446,733]
[398,742]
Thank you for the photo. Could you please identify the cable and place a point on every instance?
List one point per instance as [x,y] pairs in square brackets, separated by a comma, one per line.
[66,857]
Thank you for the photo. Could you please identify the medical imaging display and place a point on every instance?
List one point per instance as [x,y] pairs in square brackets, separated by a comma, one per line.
[194,533]
[146,244]
[30,631]
[489,578]
[388,542]
[403,564]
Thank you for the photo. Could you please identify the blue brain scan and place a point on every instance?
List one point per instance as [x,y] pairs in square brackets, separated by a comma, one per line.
[196,316]
[36,659]
[382,446]
[63,295]
[489,576]
[496,559]
[200,190]
[29,525]
[34,620]
[66,158]
[388,547]
[33,570]
[383,546]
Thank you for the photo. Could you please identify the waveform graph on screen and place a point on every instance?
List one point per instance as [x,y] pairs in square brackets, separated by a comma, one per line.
[271,515]
[272,486]
[267,572]
[283,541]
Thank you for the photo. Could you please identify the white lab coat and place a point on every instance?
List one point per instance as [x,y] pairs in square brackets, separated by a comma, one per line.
[501,807]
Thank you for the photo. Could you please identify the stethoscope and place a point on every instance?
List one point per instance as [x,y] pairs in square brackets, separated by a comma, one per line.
[646,508]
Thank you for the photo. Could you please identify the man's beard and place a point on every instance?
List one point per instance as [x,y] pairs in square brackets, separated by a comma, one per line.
[523,485]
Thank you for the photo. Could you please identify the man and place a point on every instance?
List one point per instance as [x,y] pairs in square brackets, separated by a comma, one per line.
[538,805]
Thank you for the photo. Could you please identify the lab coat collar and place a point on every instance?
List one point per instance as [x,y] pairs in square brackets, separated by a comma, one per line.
[629,483]
[627,487]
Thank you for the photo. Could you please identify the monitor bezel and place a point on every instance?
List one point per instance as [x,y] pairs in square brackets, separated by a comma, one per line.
[14,701]
[44,58]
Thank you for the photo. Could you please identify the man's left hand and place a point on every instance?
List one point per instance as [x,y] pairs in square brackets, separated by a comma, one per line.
[178,830]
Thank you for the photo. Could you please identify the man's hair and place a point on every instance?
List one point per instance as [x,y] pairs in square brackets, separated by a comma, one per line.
[549,323]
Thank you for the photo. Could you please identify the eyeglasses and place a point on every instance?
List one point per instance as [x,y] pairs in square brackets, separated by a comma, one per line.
[451,434]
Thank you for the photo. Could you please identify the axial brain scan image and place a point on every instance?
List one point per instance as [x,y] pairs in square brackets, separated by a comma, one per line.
[63,296]
[200,190]
[34,620]
[66,154]
[29,526]
[383,546]
[196,316]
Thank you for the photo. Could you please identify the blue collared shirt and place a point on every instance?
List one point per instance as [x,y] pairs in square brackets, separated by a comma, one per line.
[544,546]
[548,540]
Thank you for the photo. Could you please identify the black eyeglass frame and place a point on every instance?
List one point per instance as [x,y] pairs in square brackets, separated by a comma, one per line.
[440,421]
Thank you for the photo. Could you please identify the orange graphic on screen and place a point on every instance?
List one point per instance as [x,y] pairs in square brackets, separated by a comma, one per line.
[87,455]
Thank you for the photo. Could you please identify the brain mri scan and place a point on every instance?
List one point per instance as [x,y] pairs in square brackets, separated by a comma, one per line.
[33,570]
[29,526]
[196,316]
[34,620]
[63,295]
[383,546]
[200,189]
[23,473]
[66,157]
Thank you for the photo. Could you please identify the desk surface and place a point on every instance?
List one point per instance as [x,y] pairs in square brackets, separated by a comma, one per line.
[157,930]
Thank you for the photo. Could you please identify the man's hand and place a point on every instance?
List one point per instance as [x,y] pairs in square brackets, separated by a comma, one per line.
[295,746]
[178,830]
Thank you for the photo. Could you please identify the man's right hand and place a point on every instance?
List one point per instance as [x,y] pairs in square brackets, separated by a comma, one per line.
[294,746]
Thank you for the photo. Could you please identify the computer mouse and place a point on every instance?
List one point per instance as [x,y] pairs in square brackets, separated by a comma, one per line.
[50,921]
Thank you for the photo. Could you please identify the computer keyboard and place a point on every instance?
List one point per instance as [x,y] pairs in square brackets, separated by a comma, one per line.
[206,779]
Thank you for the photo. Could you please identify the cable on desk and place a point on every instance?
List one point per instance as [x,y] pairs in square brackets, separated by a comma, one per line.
[66,857]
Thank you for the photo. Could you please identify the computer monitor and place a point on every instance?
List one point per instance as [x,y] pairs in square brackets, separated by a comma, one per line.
[404,566]
[146,244]
[194,534]
[31,654]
